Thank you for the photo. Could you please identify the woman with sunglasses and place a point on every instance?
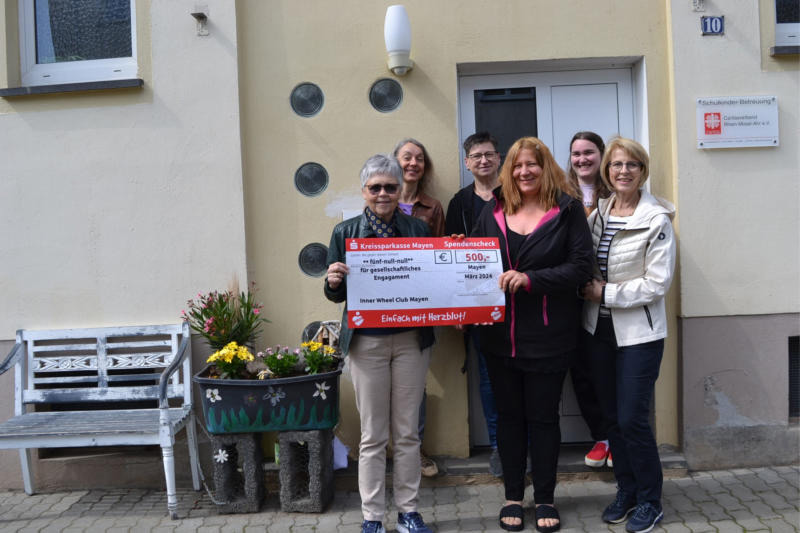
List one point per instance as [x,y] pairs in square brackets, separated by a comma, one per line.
[388,365]
[626,318]
[417,169]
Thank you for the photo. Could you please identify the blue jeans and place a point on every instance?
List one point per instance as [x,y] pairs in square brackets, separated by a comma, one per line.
[485,387]
[626,378]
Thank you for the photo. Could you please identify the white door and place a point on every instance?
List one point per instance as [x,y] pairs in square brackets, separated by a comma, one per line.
[552,106]
[565,102]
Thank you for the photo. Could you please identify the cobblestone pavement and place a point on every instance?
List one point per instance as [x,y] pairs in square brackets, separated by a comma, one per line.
[757,499]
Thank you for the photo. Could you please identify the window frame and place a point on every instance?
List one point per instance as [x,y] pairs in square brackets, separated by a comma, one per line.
[34,74]
[786,33]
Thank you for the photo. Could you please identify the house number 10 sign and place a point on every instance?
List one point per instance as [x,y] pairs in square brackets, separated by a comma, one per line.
[712,25]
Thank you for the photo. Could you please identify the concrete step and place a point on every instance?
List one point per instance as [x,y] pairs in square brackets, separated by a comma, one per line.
[474,470]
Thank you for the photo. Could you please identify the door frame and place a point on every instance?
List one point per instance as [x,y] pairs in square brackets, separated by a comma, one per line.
[629,73]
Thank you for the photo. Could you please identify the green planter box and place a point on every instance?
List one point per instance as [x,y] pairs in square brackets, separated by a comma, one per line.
[298,403]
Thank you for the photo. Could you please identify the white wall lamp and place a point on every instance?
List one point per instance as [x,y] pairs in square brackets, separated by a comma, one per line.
[397,34]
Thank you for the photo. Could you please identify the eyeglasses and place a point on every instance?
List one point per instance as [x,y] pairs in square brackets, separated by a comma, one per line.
[477,157]
[629,165]
[375,190]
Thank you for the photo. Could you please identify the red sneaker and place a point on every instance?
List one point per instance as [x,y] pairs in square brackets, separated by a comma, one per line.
[597,455]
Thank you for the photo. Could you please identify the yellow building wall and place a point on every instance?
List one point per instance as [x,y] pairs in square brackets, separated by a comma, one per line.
[339,46]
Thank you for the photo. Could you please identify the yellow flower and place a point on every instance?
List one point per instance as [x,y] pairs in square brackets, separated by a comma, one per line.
[329,350]
[244,354]
[312,346]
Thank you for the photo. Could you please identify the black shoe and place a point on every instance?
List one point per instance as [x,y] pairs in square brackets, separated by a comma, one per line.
[543,512]
[512,510]
[620,508]
[644,518]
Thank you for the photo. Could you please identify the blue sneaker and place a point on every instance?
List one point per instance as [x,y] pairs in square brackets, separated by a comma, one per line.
[372,526]
[411,523]
[620,508]
[645,517]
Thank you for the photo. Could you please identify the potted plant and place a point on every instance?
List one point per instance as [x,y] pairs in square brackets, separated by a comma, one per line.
[224,317]
[278,389]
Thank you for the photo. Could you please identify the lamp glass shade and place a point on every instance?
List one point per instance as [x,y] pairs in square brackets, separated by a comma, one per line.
[397,30]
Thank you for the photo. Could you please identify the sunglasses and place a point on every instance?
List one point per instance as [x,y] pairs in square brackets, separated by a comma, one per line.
[390,188]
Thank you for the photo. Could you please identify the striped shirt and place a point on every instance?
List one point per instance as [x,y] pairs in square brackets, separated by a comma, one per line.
[613,225]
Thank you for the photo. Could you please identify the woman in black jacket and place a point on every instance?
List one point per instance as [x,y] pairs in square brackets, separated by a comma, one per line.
[547,254]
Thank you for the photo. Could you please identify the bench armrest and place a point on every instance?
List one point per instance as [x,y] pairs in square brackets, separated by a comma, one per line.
[163,381]
[13,357]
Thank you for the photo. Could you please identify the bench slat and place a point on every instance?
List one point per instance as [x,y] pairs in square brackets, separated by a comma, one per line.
[112,332]
[155,343]
[96,423]
[73,347]
[64,347]
[77,380]
[91,395]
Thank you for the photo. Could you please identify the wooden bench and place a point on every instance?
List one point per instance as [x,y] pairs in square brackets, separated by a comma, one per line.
[102,387]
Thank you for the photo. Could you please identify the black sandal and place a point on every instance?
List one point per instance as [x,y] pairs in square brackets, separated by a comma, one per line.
[512,510]
[547,511]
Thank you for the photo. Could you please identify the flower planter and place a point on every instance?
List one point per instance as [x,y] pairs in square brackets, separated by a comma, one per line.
[298,403]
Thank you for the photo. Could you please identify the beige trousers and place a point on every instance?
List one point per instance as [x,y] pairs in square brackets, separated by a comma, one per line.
[388,374]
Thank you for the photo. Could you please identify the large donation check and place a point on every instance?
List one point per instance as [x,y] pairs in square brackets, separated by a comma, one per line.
[407,282]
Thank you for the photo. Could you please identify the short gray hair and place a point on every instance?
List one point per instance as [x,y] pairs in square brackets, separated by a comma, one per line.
[381,164]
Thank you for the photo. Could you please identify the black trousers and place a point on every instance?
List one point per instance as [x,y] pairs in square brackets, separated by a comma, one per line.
[583,382]
[527,404]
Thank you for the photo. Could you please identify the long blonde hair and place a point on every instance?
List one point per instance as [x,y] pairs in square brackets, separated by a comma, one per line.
[553,178]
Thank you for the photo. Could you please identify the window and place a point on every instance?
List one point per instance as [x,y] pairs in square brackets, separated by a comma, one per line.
[71,41]
[787,23]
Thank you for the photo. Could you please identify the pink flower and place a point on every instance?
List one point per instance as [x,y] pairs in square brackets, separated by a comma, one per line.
[280,356]
[256,310]
[297,351]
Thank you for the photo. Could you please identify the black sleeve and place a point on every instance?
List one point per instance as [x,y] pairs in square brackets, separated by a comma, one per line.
[452,221]
[336,253]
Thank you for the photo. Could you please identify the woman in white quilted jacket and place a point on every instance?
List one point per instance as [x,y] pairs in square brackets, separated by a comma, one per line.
[625,315]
